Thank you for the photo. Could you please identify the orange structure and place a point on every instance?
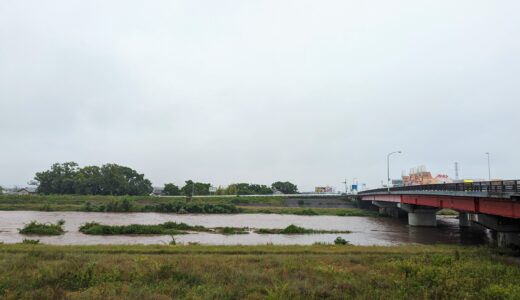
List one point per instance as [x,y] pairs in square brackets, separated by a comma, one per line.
[420,176]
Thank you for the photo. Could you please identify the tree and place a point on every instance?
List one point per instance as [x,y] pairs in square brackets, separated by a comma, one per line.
[171,189]
[89,181]
[120,180]
[59,179]
[248,189]
[195,188]
[109,179]
[285,187]
[1,190]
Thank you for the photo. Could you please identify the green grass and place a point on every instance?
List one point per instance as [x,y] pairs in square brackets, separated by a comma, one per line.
[35,228]
[198,205]
[293,229]
[342,212]
[173,228]
[448,212]
[255,272]
[168,228]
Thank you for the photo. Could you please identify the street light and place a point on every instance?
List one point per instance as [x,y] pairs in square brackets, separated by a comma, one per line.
[388,168]
[489,166]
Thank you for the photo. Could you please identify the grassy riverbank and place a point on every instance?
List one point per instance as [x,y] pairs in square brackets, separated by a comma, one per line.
[341,212]
[255,272]
[198,205]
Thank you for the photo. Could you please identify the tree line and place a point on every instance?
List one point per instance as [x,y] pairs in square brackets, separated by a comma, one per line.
[113,179]
[203,189]
[109,179]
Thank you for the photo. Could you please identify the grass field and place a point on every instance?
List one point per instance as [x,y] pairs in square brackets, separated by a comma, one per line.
[268,205]
[342,212]
[256,272]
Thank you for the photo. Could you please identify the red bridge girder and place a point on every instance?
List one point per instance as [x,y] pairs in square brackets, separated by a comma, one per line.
[484,205]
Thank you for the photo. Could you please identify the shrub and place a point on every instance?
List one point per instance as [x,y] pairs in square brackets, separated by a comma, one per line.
[306,212]
[43,229]
[293,229]
[340,241]
[31,242]
[231,230]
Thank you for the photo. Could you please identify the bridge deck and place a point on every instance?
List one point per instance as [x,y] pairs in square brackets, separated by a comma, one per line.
[501,198]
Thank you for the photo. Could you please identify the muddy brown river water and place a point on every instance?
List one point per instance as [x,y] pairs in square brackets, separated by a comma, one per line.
[365,230]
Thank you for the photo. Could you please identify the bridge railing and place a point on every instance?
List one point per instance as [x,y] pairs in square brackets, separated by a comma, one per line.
[502,186]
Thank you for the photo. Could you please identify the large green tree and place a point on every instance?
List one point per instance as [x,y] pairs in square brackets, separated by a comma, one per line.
[248,189]
[285,187]
[195,188]
[60,179]
[171,189]
[109,179]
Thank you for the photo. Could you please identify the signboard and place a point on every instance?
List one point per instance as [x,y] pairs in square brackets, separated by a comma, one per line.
[323,189]
[212,189]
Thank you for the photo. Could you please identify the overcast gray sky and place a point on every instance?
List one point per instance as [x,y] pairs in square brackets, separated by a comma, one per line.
[258,91]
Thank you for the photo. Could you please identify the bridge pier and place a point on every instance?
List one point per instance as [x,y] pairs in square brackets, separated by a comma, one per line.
[464,220]
[420,215]
[389,209]
[508,239]
[507,229]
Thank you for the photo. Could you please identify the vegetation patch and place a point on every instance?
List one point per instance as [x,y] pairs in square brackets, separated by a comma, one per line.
[254,272]
[448,212]
[293,229]
[178,205]
[168,228]
[231,230]
[340,241]
[340,212]
[43,228]
[30,242]
[100,229]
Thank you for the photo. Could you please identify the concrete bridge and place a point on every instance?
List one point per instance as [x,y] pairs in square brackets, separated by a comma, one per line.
[491,204]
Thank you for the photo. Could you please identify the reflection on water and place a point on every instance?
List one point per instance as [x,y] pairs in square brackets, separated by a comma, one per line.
[365,230]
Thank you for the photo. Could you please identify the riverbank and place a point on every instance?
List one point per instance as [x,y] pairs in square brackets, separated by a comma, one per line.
[254,272]
[197,205]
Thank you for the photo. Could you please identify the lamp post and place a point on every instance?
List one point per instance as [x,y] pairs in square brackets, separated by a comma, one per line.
[388,168]
[489,165]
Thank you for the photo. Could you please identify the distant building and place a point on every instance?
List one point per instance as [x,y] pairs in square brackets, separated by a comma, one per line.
[157,191]
[420,176]
[20,191]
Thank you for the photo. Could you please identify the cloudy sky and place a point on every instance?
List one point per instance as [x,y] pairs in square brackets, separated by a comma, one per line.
[258,91]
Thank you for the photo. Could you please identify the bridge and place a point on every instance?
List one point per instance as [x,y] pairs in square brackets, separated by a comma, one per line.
[491,204]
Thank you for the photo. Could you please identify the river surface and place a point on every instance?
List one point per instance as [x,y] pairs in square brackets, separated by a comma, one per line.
[365,230]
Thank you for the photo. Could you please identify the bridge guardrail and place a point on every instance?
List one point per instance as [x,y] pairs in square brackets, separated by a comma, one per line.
[502,186]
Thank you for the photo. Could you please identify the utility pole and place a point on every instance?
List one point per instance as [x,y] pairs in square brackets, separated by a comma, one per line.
[388,168]
[489,165]
[456,171]
[346,186]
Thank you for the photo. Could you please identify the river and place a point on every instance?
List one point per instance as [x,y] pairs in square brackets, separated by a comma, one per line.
[365,230]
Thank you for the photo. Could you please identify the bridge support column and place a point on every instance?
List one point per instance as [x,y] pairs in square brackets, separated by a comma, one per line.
[508,239]
[389,208]
[420,215]
[507,229]
[464,220]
